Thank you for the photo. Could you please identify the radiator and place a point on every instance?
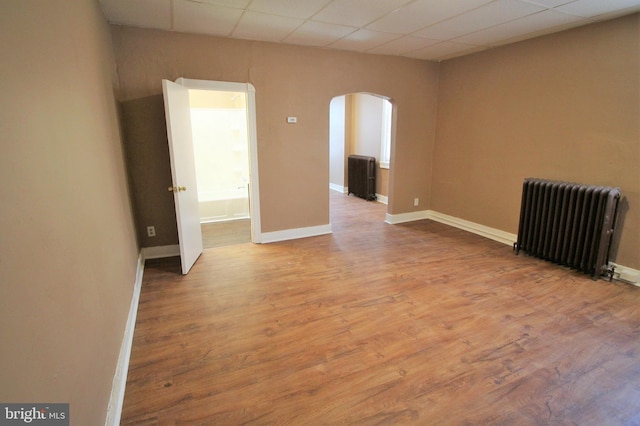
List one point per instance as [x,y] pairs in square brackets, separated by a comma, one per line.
[362,176]
[569,224]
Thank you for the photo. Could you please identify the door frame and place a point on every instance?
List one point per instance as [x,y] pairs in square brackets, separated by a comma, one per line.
[254,182]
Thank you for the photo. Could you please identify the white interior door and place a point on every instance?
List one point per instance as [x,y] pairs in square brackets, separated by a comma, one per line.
[183,174]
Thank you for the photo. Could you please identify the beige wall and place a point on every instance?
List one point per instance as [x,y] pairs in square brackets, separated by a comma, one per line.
[68,252]
[147,153]
[564,106]
[505,114]
[292,81]
[382,181]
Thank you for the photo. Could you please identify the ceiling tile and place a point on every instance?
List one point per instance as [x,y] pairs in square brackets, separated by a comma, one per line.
[291,8]
[616,14]
[548,3]
[515,29]
[204,18]
[318,33]
[489,15]
[260,26]
[139,13]
[414,28]
[421,13]
[403,45]
[236,4]
[443,50]
[357,12]
[591,8]
[363,40]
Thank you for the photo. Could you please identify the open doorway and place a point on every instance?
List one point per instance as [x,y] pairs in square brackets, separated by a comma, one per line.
[182,157]
[221,149]
[360,124]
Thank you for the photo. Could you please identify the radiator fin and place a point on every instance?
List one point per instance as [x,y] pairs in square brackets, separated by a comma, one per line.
[568,223]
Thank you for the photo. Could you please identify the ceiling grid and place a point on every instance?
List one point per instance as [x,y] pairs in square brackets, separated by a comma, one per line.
[421,29]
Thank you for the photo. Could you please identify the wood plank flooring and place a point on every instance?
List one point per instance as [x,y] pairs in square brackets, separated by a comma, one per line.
[382,324]
[227,233]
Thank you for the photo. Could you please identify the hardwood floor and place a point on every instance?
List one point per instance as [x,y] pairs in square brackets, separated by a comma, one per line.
[417,323]
[218,234]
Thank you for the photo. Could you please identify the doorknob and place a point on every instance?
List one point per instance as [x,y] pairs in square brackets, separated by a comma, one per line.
[176,188]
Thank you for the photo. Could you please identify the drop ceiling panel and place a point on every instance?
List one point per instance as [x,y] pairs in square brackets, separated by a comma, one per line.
[291,8]
[403,45]
[422,13]
[260,26]
[363,40]
[357,12]
[443,50]
[237,4]
[142,13]
[318,33]
[204,18]
[518,28]
[592,8]
[489,15]
[412,28]
[548,3]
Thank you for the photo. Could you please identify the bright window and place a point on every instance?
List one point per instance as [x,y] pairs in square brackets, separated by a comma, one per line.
[385,151]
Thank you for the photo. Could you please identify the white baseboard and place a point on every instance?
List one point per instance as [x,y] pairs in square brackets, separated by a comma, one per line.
[622,273]
[338,188]
[160,251]
[394,219]
[292,234]
[475,228]
[343,190]
[626,274]
[382,199]
[114,410]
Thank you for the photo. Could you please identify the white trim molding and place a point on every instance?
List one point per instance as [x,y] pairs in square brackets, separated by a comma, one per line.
[621,272]
[114,410]
[160,251]
[475,228]
[382,199]
[292,234]
[338,188]
[626,274]
[394,219]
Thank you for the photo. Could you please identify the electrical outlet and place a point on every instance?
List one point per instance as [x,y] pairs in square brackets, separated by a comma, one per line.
[416,202]
[151,231]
